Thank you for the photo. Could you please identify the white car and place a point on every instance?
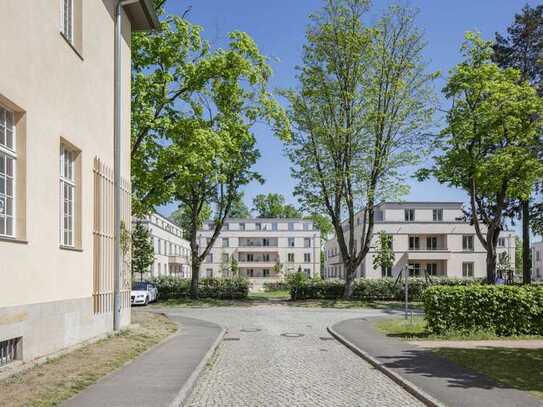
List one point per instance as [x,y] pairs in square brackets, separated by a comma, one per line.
[143,293]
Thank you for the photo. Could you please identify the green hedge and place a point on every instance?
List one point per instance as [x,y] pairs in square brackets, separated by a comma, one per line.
[219,288]
[366,288]
[276,286]
[502,310]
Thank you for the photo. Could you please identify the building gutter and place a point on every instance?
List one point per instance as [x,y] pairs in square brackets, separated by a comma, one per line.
[117,133]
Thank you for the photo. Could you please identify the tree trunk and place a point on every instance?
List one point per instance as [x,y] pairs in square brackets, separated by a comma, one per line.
[349,281]
[195,279]
[491,265]
[526,262]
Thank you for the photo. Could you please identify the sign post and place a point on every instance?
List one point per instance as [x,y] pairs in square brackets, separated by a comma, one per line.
[406,288]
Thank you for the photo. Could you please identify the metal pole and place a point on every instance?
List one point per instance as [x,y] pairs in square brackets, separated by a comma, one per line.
[117,170]
[406,285]
[117,136]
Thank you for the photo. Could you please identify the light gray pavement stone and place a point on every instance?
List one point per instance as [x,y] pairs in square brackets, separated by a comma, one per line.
[441,379]
[162,376]
[264,368]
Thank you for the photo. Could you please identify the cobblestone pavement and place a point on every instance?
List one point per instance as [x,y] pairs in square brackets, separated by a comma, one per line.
[266,368]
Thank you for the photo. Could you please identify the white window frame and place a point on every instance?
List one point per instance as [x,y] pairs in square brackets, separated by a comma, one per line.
[437,214]
[67,183]
[9,154]
[466,239]
[468,267]
[63,26]
[409,214]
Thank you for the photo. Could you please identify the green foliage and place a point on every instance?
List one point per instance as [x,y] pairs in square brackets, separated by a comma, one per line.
[363,102]
[518,255]
[503,310]
[143,253]
[220,288]
[182,217]
[322,223]
[384,258]
[234,266]
[273,205]
[238,209]
[193,112]
[270,286]
[382,289]
[488,144]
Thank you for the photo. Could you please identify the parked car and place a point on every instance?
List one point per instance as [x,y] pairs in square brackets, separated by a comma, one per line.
[143,293]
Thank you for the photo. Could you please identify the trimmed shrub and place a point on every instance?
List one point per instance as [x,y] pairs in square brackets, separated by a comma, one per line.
[218,288]
[276,286]
[502,310]
[365,288]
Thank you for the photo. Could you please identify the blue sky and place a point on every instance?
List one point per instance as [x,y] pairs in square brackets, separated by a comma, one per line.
[278,27]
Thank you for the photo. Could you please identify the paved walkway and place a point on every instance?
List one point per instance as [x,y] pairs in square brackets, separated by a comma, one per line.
[440,378]
[160,377]
[263,362]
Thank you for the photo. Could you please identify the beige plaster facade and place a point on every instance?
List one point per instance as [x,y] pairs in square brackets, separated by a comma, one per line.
[60,92]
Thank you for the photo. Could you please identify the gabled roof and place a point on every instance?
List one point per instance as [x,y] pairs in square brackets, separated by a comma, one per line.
[142,15]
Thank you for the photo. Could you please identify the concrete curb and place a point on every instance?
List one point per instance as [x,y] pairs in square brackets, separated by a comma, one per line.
[405,384]
[187,388]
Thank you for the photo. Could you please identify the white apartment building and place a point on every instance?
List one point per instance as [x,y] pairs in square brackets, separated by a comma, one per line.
[537,261]
[263,248]
[427,236]
[172,252]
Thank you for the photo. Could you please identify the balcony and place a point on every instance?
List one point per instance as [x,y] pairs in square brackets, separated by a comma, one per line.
[258,242]
[255,257]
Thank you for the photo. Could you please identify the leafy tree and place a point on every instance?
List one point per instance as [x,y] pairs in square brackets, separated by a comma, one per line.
[493,123]
[363,103]
[384,258]
[239,209]
[322,223]
[182,218]
[273,206]
[143,253]
[522,48]
[234,266]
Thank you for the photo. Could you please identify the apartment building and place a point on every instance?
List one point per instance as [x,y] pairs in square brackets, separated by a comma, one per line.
[56,170]
[430,237]
[537,261]
[172,252]
[262,248]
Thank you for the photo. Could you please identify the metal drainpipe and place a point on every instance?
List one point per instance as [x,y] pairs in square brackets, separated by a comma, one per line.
[117,132]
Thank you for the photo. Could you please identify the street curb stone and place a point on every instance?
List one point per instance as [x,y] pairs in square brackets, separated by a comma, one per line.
[406,384]
[187,388]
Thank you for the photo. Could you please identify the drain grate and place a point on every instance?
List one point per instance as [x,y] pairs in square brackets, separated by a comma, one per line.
[230,339]
[292,335]
[250,330]
[326,338]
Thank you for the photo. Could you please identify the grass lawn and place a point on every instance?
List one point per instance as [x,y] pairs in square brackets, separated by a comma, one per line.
[519,368]
[60,378]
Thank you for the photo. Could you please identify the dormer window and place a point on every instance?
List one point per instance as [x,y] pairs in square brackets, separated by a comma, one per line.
[409,215]
[438,215]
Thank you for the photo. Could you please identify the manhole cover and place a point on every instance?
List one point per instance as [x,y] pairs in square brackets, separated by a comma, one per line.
[250,330]
[292,335]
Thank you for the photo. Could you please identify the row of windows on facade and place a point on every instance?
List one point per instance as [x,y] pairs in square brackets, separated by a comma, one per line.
[273,226]
[179,269]
[169,249]
[409,216]
[244,242]
[161,223]
[432,243]
[253,257]
[8,179]
[415,270]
